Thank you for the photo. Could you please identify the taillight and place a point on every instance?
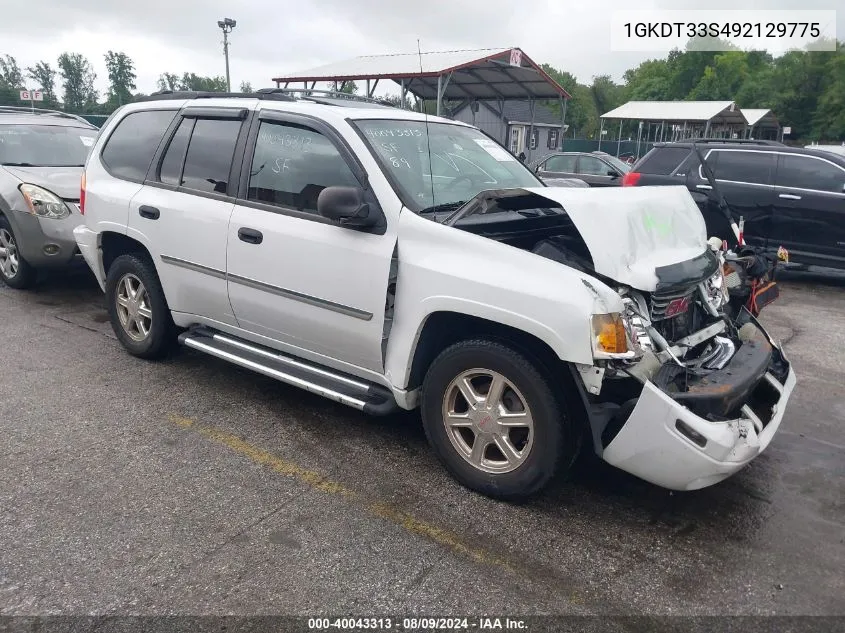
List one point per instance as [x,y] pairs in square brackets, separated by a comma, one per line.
[631,179]
[82,195]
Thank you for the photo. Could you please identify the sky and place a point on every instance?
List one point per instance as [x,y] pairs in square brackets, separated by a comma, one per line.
[273,37]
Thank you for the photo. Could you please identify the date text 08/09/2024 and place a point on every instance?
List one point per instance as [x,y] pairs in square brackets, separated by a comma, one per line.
[418,623]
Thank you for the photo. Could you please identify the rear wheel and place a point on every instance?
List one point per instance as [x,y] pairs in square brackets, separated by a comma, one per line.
[137,307]
[494,420]
[14,269]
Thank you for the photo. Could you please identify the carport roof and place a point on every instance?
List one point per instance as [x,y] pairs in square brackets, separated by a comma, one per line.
[760,116]
[725,111]
[484,74]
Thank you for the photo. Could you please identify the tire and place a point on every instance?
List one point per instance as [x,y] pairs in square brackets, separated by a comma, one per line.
[539,447]
[143,324]
[15,271]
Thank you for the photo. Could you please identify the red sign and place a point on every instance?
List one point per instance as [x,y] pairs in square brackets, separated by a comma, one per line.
[516,57]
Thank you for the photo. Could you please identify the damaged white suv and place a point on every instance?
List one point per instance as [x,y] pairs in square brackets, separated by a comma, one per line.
[385,260]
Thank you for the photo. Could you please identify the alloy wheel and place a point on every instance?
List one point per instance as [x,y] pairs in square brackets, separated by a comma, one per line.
[9,258]
[488,421]
[133,307]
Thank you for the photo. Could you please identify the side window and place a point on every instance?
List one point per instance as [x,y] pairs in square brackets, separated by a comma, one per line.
[803,172]
[592,166]
[130,148]
[209,157]
[174,156]
[553,138]
[742,166]
[293,164]
[535,139]
[565,163]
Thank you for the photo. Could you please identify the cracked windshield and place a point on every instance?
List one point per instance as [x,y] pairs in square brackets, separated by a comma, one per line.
[439,166]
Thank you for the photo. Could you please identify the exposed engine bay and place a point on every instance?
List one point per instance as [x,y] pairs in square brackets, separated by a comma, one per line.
[692,333]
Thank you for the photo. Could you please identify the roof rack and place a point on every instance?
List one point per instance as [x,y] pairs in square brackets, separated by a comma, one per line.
[327,97]
[43,112]
[196,94]
[737,141]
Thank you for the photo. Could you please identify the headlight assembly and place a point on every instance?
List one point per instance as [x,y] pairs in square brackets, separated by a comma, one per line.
[43,203]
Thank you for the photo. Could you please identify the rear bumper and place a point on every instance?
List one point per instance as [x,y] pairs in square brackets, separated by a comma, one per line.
[88,243]
[665,442]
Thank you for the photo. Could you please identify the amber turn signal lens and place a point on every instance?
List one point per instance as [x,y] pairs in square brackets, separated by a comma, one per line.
[610,333]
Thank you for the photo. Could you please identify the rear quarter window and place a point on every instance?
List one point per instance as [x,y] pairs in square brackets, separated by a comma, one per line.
[130,148]
[662,160]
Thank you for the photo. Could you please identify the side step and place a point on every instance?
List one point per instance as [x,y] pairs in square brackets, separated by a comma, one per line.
[359,394]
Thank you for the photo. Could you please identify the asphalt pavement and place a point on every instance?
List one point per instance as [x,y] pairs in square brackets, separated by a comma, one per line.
[190,486]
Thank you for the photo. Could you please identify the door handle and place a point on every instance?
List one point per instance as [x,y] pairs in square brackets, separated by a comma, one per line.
[151,213]
[707,187]
[250,236]
[789,196]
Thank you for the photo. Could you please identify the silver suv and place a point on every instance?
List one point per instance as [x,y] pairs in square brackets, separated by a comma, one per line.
[41,157]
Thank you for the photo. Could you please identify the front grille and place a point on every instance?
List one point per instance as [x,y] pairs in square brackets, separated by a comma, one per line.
[661,301]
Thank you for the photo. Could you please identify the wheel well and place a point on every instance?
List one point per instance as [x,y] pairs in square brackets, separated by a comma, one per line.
[114,245]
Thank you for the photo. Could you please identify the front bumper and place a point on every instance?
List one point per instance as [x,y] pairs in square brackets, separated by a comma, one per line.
[667,444]
[45,242]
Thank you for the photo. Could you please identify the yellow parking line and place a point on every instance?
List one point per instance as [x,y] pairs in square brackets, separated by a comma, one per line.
[319,482]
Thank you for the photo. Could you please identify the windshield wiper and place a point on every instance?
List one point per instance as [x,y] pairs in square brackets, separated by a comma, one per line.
[446,206]
[18,165]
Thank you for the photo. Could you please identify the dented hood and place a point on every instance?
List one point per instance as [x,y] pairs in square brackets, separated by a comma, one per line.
[632,231]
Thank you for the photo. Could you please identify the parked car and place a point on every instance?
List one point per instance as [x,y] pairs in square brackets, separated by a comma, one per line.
[789,196]
[836,149]
[597,169]
[310,243]
[41,158]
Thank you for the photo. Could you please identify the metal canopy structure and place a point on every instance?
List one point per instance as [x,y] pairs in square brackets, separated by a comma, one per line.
[761,123]
[678,120]
[488,74]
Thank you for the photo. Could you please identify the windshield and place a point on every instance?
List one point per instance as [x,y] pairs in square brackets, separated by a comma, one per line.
[620,165]
[462,162]
[45,145]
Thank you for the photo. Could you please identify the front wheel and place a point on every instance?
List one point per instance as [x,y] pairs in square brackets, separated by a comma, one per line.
[137,307]
[494,420]
[14,269]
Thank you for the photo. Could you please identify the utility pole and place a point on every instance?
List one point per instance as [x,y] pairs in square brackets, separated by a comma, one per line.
[226,25]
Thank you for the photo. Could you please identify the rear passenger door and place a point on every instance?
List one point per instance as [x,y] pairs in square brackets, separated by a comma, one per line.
[182,212]
[559,166]
[315,288]
[809,217]
[745,178]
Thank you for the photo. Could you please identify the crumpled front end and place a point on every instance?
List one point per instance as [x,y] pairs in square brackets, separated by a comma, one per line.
[687,433]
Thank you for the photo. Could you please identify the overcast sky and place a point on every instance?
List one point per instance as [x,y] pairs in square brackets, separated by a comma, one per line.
[273,37]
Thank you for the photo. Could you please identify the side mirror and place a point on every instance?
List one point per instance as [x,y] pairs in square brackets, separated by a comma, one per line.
[347,206]
[613,173]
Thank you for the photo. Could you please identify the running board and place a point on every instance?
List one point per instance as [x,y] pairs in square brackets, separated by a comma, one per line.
[359,394]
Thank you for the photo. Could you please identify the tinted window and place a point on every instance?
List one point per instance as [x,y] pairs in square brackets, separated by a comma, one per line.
[592,166]
[292,165]
[803,172]
[561,163]
[174,157]
[129,150]
[45,145]
[662,160]
[210,154]
[740,166]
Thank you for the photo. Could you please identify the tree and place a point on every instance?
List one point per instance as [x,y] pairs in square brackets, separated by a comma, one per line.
[44,77]
[11,81]
[168,81]
[121,71]
[78,77]
[246,86]
[349,88]
[192,81]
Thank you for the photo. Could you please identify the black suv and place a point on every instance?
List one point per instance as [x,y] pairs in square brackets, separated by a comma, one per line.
[791,197]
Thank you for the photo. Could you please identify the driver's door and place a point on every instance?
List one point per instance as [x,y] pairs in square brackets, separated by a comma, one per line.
[597,173]
[311,285]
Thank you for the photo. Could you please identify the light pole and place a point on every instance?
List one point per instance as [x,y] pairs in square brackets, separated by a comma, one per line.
[226,25]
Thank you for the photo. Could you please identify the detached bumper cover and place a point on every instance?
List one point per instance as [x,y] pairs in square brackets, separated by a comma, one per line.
[88,243]
[666,443]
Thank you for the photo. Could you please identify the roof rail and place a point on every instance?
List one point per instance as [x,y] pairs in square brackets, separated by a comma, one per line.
[738,141]
[197,94]
[43,112]
[323,96]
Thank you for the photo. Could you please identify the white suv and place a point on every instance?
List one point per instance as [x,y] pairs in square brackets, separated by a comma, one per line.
[387,260]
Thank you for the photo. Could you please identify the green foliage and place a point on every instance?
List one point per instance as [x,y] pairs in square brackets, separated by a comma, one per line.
[121,71]
[349,88]
[44,77]
[78,77]
[11,81]
[246,86]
